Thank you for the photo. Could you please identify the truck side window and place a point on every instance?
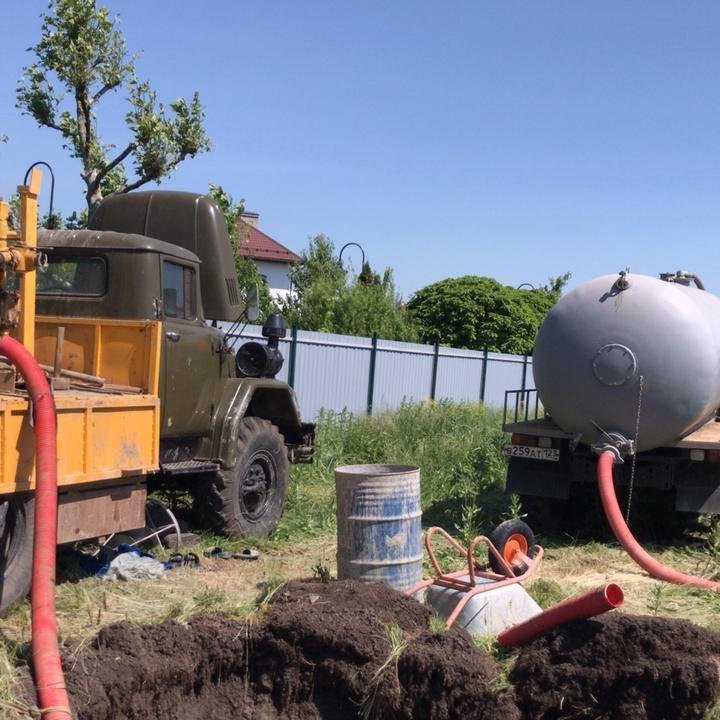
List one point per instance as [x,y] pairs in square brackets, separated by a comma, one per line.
[178,291]
[72,275]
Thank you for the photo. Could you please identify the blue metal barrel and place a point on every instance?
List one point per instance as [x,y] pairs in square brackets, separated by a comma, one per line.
[379,535]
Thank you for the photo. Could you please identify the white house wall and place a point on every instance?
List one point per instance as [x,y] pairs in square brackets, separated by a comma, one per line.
[277,276]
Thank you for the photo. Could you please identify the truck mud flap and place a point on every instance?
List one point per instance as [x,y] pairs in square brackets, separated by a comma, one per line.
[535,477]
[698,498]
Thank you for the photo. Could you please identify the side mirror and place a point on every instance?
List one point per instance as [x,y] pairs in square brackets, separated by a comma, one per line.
[253,303]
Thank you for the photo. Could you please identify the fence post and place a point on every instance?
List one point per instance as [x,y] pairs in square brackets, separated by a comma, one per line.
[293,355]
[371,378]
[524,375]
[483,376]
[433,379]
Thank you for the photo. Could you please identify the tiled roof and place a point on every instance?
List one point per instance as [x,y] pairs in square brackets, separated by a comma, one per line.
[255,244]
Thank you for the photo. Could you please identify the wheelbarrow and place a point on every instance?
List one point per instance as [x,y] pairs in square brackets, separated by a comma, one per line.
[489,597]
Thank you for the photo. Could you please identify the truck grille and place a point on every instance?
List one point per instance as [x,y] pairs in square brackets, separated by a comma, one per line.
[232,290]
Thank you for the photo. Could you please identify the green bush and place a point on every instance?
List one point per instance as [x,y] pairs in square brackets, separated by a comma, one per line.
[457,447]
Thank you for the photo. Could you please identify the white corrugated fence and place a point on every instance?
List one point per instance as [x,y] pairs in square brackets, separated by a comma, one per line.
[359,374]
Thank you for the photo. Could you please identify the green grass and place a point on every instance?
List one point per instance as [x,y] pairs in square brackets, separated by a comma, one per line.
[457,447]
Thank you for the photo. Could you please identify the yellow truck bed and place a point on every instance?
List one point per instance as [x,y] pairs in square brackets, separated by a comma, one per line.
[103,433]
[100,437]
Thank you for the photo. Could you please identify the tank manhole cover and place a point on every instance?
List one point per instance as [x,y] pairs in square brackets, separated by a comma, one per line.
[614,364]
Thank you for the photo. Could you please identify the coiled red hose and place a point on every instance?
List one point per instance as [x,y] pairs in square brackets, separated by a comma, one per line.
[47,666]
[580,607]
[627,540]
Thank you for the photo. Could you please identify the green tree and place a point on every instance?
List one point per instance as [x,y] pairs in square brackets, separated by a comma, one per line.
[327,299]
[368,307]
[318,282]
[80,57]
[482,314]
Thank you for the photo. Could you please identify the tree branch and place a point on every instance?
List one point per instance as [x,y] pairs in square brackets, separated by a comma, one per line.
[102,91]
[114,163]
[135,185]
[147,177]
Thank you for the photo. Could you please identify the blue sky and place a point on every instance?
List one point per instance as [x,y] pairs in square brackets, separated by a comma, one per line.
[515,140]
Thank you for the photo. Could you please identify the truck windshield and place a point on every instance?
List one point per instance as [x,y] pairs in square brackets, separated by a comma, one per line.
[73,276]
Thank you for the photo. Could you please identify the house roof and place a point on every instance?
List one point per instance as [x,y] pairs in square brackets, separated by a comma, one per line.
[255,244]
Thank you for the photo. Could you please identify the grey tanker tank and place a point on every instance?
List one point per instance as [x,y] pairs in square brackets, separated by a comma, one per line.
[603,337]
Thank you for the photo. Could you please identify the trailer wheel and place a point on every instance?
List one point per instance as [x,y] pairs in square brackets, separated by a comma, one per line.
[249,498]
[509,537]
[17,515]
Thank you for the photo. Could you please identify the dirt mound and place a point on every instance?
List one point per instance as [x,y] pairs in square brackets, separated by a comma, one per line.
[321,651]
[619,667]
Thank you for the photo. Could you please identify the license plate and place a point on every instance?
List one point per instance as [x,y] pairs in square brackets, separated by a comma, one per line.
[534,453]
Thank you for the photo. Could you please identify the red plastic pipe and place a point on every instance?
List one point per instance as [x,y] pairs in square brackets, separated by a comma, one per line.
[47,666]
[580,607]
[627,540]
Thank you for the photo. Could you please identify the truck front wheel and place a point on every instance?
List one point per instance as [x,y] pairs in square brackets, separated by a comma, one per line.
[248,499]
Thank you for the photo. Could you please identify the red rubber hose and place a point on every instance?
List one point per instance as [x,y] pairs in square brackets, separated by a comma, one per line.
[47,666]
[580,607]
[625,537]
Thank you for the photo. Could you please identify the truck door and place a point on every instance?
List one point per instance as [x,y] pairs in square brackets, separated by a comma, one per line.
[189,357]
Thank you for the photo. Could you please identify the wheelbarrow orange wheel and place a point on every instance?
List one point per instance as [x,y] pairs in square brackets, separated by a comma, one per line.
[511,538]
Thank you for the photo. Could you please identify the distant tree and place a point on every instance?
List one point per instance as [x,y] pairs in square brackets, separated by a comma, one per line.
[556,285]
[326,298]
[76,220]
[82,56]
[318,283]
[368,307]
[482,314]
[367,276]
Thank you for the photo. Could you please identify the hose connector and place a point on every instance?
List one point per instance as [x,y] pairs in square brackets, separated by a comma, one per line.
[616,444]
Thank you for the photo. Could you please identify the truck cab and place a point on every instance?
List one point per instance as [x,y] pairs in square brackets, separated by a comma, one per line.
[225,435]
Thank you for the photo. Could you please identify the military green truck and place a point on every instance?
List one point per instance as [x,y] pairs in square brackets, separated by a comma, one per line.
[229,429]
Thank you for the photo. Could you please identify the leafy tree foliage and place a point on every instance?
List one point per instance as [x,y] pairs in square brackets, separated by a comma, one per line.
[480,313]
[80,57]
[328,299]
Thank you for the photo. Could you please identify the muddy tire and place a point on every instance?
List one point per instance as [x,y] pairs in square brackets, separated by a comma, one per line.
[248,499]
[508,537]
[17,515]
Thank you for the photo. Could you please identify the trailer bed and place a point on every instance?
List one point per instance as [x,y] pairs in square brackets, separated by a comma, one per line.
[706,437]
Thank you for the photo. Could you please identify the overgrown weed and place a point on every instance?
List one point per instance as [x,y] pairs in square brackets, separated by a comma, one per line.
[398,642]
[457,446]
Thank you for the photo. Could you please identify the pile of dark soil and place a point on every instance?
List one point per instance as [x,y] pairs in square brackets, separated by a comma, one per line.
[619,667]
[325,651]
[321,651]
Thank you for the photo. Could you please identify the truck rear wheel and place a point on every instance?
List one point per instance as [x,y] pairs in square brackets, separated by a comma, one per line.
[16,544]
[248,499]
